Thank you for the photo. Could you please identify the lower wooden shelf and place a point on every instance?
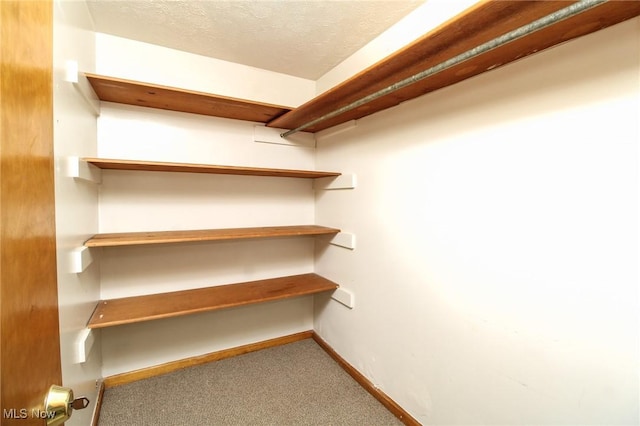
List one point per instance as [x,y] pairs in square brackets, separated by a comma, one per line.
[165,305]
[157,166]
[167,237]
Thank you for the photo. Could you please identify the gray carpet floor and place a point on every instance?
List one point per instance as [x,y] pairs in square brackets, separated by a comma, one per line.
[293,384]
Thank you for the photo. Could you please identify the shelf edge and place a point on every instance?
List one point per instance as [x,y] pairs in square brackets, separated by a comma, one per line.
[273,289]
[162,166]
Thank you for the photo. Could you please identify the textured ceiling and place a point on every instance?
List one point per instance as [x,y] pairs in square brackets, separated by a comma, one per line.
[302,38]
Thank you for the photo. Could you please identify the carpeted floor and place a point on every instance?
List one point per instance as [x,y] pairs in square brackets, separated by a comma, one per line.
[293,384]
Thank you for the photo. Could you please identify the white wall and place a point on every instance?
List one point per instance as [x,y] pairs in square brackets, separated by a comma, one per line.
[135,60]
[134,201]
[76,201]
[496,276]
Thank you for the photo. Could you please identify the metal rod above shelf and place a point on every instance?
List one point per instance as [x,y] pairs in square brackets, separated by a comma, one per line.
[525,30]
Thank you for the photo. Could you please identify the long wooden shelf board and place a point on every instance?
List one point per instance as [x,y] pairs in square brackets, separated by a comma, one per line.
[130,92]
[155,306]
[167,237]
[155,166]
[479,24]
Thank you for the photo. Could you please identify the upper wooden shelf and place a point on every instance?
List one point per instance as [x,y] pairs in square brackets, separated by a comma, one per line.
[154,166]
[479,24]
[165,305]
[129,92]
[168,237]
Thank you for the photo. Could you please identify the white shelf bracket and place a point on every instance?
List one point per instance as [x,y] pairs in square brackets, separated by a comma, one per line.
[344,239]
[344,297]
[264,134]
[84,344]
[82,86]
[79,260]
[79,169]
[344,181]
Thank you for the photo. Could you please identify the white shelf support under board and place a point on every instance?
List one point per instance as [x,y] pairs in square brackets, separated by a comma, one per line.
[79,260]
[79,169]
[344,181]
[84,344]
[344,297]
[265,134]
[82,86]
[344,239]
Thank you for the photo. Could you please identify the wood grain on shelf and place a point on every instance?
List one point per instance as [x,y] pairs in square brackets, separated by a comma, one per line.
[129,92]
[155,166]
[166,237]
[155,306]
[479,24]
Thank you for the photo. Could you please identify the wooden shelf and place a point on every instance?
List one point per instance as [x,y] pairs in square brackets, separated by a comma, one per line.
[482,22]
[167,237]
[479,24]
[129,92]
[165,305]
[154,166]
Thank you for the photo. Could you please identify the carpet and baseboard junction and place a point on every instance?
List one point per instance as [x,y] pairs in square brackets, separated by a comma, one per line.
[298,383]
